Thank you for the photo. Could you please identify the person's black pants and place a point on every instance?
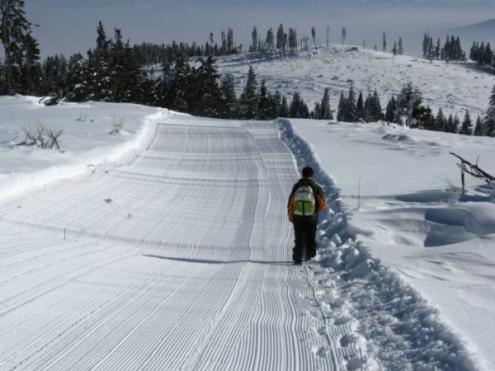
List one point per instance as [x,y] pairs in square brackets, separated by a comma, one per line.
[305,245]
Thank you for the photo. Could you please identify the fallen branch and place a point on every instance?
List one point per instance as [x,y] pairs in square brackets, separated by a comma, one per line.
[473,169]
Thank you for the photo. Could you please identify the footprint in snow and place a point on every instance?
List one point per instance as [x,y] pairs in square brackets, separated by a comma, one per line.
[320,331]
[319,351]
[347,340]
[342,320]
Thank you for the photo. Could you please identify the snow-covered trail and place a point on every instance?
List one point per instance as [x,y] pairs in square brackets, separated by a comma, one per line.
[179,260]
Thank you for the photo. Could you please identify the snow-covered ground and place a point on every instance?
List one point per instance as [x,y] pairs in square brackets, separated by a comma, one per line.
[452,87]
[178,260]
[87,139]
[401,192]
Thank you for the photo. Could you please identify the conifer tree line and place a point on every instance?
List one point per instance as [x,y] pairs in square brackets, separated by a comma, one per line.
[407,109]
[280,40]
[450,51]
[360,109]
[482,53]
[149,53]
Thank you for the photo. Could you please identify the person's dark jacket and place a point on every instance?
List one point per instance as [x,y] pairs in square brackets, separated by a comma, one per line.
[319,198]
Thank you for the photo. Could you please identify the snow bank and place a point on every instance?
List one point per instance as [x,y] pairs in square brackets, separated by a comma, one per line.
[86,143]
[401,328]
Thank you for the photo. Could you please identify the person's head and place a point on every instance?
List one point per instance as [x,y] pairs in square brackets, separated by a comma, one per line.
[307,172]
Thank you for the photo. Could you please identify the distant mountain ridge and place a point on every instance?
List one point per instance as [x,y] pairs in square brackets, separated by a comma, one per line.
[488,26]
[482,31]
[424,2]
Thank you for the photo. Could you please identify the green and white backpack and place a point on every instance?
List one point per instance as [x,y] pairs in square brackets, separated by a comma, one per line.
[304,201]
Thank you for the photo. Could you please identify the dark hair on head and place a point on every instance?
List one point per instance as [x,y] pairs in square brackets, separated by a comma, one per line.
[307,172]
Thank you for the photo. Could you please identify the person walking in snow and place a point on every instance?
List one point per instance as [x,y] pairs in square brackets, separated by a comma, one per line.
[305,202]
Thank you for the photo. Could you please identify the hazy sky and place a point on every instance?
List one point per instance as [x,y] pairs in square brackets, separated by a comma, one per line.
[67,26]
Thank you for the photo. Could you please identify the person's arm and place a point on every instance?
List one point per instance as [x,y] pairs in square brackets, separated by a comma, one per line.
[290,205]
[320,199]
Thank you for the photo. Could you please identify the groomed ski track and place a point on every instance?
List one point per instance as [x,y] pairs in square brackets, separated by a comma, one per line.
[179,260]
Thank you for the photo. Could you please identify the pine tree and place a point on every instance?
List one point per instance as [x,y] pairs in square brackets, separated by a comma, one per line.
[207,94]
[341,115]
[230,41]
[77,73]
[263,103]
[326,113]
[466,128]
[360,111]
[249,99]
[440,122]
[292,40]
[426,40]
[478,128]
[373,108]
[427,120]
[31,70]
[98,61]
[408,106]
[401,47]
[344,35]
[391,109]
[450,125]
[351,109]
[457,123]
[313,35]
[284,108]
[384,42]
[316,114]
[254,40]
[438,49]
[489,123]
[229,105]
[180,95]
[281,38]
[269,39]
[394,49]
[295,104]
[15,33]
[297,108]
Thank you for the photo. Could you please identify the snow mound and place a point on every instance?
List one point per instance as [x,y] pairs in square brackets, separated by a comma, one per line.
[398,138]
[401,329]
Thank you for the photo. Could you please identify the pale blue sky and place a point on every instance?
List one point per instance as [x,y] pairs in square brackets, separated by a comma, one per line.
[67,26]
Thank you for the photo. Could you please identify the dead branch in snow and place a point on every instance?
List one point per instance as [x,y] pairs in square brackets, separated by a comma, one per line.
[472,169]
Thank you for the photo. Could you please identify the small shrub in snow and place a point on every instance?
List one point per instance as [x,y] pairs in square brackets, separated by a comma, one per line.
[117,126]
[41,137]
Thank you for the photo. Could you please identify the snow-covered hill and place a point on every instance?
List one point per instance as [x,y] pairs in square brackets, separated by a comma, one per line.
[450,86]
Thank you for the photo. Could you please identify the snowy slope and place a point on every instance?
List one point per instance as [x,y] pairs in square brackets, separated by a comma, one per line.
[400,190]
[86,141]
[452,87]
